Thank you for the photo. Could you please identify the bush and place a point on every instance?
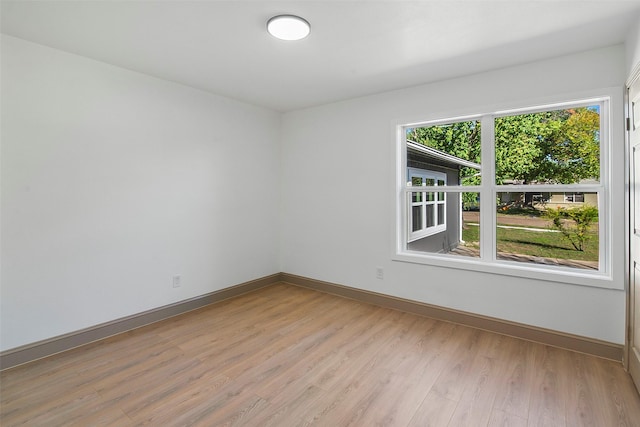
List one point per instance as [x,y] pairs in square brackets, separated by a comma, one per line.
[573,223]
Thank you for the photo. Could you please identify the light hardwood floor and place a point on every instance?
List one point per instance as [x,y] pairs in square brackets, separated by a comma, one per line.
[289,356]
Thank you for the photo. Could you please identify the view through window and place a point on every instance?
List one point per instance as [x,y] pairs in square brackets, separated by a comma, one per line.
[541,193]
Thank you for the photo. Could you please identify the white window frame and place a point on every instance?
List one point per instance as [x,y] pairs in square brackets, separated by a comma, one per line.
[425,230]
[488,190]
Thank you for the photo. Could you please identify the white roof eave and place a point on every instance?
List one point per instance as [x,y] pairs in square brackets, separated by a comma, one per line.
[440,155]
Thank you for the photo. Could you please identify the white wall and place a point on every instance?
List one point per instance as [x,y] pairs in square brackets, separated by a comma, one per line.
[633,49]
[338,196]
[113,181]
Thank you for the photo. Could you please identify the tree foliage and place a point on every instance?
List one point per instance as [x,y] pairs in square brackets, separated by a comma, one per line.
[558,147]
[461,139]
[575,149]
[561,146]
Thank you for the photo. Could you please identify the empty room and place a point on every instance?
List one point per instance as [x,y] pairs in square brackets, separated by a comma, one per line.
[328,213]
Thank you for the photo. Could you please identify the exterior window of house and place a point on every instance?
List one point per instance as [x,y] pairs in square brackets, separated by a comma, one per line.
[428,208]
[541,198]
[548,179]
[574,197]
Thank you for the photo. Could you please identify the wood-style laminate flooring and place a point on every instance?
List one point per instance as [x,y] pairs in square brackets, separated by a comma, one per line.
[289,356]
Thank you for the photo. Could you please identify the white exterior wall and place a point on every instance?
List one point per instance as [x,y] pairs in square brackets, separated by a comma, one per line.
[113,182]
[338,214]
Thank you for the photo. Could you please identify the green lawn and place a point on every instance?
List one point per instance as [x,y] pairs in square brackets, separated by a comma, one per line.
[471,235]
[535,243]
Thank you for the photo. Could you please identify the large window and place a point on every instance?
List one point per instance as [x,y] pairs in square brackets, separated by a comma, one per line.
[541,173]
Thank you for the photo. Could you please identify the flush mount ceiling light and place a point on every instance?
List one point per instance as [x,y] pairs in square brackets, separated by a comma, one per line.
[288,27]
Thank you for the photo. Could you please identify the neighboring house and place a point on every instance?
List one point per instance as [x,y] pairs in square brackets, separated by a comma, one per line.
[564,200]
[543,200]
[570,200]
[435,218]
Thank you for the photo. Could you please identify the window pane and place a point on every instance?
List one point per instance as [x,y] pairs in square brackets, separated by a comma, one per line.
[417,197]
[550,230]
[447,146]
[455,229]
[430,216]
[470,233]
[416,218]
[560,146]
[440,213]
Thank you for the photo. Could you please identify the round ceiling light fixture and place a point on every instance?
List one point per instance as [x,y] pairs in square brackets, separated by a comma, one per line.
[288,27]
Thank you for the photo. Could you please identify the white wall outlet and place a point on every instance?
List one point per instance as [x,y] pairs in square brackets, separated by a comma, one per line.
[380,273]
[177,281]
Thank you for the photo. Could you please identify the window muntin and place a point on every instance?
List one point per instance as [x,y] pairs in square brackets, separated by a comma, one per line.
[541,192]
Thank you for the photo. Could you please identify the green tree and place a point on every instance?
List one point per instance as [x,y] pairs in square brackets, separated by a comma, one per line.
[461,139]
[574,149]
[561,146]
[520,146]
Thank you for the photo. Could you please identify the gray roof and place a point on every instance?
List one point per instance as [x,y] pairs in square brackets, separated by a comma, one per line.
[432,153]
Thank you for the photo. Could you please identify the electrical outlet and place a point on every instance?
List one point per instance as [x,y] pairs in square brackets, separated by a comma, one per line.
[177,281]
[380,273]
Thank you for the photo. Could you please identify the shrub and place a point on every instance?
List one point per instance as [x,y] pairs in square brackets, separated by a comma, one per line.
[573,223]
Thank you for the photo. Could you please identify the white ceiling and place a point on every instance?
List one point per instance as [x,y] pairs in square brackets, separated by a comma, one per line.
[355,48]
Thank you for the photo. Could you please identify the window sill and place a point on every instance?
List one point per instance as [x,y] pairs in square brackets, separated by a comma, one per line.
[565,275]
